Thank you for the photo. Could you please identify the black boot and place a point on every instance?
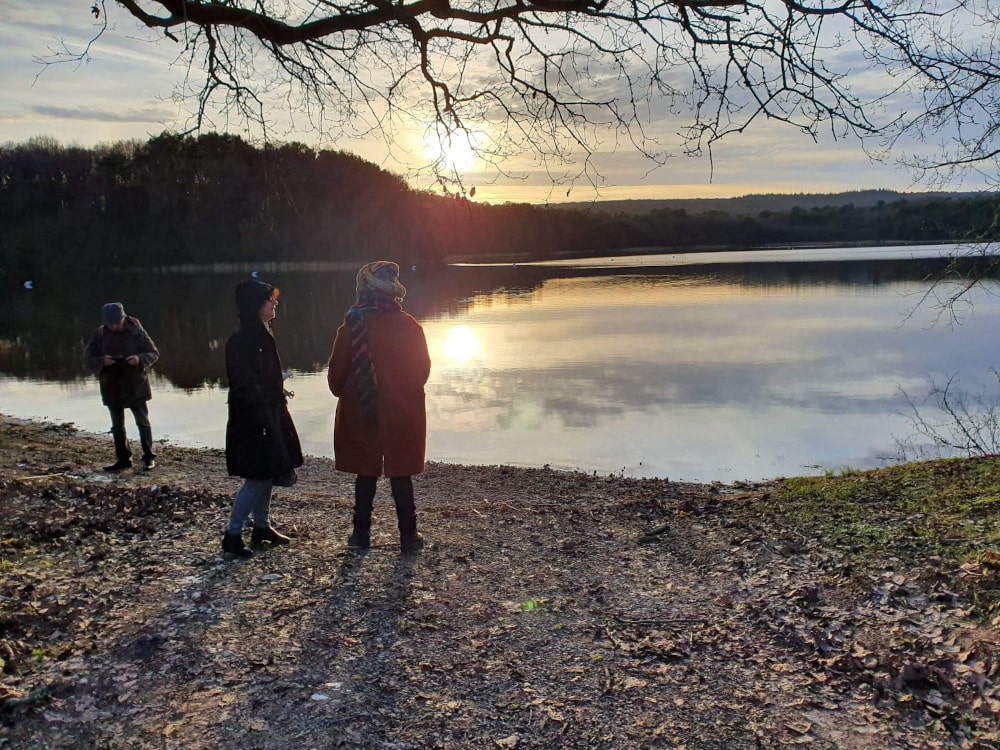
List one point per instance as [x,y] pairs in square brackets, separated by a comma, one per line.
[233,544]
[259,536]
[122,451]
[364,497]
[146,439]
[360,538]
[410,540]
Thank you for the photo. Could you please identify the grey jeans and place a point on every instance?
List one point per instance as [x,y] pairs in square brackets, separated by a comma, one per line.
[254,496]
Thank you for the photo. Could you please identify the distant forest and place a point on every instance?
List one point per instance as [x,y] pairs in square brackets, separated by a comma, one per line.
[183,200]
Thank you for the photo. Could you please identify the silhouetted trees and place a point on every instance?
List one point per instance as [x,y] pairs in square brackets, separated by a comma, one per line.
[214,199]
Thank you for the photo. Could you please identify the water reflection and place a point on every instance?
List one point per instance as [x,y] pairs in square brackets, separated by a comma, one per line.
[461,345]
[699,372]
[43,330]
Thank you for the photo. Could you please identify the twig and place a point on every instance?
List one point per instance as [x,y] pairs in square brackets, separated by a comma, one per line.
[40,476]
[655,531]
[354,623]
[673,621]
[617,643]
[288,610]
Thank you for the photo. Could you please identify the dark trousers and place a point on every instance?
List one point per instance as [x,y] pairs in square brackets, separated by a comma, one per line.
[141,414]
[402,496]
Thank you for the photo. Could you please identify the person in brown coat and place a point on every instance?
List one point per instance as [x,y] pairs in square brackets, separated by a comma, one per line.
[377,371]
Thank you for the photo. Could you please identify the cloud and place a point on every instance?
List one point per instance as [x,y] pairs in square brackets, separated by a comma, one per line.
[134,83]
[43,18]
[149,115]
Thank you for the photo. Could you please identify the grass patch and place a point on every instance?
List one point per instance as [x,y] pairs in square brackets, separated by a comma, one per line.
[947,509]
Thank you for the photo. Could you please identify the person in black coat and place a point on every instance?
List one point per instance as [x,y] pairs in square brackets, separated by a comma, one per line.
[262,445]
[120,353]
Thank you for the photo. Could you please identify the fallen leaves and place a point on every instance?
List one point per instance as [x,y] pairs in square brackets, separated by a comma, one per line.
[533,620]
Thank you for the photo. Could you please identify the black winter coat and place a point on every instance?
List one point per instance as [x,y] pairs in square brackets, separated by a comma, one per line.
[122,385]
[261,441]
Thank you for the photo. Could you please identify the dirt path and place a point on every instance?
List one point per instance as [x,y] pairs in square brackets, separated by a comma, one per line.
[550,610]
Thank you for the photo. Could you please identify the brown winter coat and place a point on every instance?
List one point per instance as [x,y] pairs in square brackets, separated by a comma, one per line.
[396,445]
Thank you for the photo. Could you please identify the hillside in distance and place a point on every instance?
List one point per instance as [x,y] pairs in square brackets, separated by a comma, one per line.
[756,204]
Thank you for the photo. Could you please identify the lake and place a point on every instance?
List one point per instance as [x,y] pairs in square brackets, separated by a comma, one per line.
[696,367]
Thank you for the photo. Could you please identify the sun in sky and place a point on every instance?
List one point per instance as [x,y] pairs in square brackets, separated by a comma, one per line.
[455,152]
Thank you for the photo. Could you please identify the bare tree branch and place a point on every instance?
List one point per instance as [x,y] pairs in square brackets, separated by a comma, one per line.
[561,80]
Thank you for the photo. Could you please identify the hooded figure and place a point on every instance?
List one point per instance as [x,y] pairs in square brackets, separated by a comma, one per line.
[377,370]
[262,445]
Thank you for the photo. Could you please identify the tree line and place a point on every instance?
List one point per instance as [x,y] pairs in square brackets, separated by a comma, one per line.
[179,200]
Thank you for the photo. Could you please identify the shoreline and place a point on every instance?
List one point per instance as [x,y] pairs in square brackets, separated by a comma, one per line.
[203,469]
[94,405]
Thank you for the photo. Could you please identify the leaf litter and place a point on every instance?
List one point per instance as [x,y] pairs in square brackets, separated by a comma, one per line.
[550,609]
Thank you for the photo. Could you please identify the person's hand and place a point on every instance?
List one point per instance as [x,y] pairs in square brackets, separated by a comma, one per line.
[108,360]
[132,360]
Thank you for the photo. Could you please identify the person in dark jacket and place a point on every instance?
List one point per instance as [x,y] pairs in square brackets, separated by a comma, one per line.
[120,353]
[262,445]
[377,370]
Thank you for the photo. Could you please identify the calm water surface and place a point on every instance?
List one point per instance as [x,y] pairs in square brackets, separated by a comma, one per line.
[698,367]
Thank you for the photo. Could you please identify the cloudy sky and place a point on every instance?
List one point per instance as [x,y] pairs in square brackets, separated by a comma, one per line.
[128,86]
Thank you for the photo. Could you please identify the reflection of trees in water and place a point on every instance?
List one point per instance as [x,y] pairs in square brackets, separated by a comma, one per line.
[848,274]
[189,316]
[43,331]
[832,273]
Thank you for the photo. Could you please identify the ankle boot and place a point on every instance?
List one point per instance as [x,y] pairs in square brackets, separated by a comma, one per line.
[233,544]
[146,440]
[410,540]
[364,498]
[259,536]
[123,453]
[360,538]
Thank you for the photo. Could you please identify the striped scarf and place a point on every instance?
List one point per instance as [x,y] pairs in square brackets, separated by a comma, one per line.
[362,366]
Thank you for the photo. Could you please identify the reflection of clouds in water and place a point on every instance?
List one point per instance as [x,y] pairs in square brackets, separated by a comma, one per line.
[466,402]
[583,396]
[581,327]
[583,353]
